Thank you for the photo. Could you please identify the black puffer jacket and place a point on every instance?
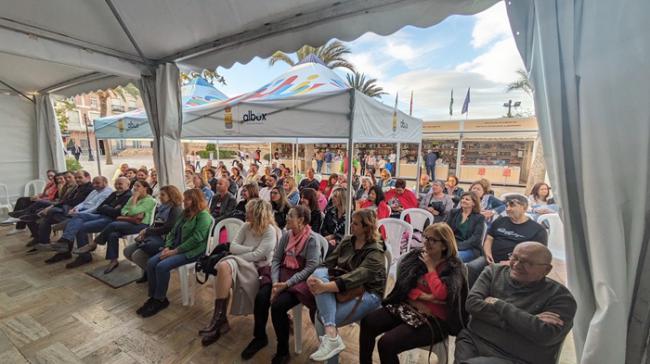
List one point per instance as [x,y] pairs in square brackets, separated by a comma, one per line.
[453,275]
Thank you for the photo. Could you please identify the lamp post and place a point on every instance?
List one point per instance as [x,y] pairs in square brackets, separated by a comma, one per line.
[510,105]
[90,148]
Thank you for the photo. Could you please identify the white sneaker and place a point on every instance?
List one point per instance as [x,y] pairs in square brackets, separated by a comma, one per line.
[328,348]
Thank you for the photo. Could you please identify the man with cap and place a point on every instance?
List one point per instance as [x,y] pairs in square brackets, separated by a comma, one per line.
[517,314]
[505,233]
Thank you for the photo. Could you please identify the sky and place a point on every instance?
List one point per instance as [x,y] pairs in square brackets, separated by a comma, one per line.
[462,52]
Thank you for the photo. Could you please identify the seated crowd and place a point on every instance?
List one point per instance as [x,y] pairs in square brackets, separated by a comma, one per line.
[477,275]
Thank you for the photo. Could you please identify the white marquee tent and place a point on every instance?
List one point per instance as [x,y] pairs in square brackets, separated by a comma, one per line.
[587,61]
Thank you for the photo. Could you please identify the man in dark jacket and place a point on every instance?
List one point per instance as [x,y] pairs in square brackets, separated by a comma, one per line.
[84,223]
[430,162]
[223,203]
[518,315]
[59,212]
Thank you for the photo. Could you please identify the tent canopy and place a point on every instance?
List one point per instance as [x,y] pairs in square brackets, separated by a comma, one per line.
[308,101]
[135,124]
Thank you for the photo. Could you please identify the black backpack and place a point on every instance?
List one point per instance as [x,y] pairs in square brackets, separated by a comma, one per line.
[206,264]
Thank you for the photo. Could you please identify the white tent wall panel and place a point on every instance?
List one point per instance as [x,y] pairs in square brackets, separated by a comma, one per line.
[17,143]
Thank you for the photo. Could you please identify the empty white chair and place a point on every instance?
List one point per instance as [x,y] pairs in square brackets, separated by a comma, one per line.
[555,234]
[297,310]
[231,225]
[4,198]
[394,230]
[34,187]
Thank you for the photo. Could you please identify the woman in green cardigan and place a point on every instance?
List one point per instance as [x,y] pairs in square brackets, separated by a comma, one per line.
[183,245]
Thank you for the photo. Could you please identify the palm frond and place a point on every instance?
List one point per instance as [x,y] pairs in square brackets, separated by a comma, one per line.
[280,56]
[364,84]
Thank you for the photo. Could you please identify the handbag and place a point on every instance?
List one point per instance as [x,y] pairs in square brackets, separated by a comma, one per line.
[206,263]
[300,289]
[350,294]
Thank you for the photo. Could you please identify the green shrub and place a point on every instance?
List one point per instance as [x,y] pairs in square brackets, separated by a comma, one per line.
[211,147]
[223,154]
[72,165]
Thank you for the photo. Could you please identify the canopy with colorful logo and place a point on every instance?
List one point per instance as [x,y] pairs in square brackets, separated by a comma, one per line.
[308,101]
[135,124]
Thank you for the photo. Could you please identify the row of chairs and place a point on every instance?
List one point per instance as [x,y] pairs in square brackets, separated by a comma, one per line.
[32,188]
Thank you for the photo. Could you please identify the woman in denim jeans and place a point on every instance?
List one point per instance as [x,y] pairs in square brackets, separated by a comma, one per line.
[356,267]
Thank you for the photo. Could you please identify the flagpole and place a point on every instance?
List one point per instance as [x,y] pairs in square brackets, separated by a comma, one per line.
[461,130]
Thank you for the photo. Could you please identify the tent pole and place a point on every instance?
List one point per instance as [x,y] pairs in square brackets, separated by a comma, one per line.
[418,170]
[293,159]
[99,167]
[348,213]
[460,148]
[218,153]
[397,158]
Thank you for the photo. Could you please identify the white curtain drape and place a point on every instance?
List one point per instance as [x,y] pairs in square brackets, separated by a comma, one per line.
[588,65]
[49,144]
[161,95]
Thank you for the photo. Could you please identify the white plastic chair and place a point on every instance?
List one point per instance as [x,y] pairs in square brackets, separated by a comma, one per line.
[318,177]
[297,310]
[4,198]
[231,225]
[556,242]
[395,229]
[186,271]
[419,219]
[37,186]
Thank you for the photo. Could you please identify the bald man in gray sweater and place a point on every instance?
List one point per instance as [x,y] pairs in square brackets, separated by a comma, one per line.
[518,315]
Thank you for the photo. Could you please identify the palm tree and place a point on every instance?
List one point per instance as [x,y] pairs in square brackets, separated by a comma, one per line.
[211,76]
[522,83]
[367,86]
[332,54]
[103,96]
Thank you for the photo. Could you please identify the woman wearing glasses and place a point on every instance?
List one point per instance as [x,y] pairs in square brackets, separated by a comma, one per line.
[426,304]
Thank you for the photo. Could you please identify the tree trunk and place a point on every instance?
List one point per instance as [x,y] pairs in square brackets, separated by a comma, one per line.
[103,111]
[538,166]
[309,154]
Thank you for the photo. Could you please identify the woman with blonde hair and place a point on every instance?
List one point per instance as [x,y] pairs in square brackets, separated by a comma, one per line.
[244,270]
[426,304]
[184,244]
[291,190]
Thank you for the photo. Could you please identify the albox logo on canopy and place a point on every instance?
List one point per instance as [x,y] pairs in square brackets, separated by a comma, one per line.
[250,116]
[403,124]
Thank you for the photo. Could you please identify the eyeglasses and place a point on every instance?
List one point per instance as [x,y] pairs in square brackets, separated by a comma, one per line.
[525,263]
[432,240]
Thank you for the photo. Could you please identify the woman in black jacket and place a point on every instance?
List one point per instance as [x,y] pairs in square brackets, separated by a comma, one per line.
[309,199]
[152,239]
[468,225]
[426,305]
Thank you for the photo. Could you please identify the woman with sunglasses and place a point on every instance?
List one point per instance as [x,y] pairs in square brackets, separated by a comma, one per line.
[426,304]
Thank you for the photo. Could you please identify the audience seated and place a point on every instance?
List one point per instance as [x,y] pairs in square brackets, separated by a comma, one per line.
[370,173]
[205,174]
[426,304]
[248,192]
[235,177]
[540,201]
[84,223]
[327,186]
[223,203]
[211,179]
[153,182]
[309,199]
[518,315]
[350,283]
[252,176]
[425,186]
[135,216]
[452,189]
[289,185]
[333,227]
[280,206]
[267,173]
[54,190]
[400,198]
[468,224]
[199,182]
[376,202]
[505,233]
[150,241]
[120,172]
[309,181]
[184,244]
[437,202]
[294,260]
[269,183]
[490,205]
[277,172]
[244,270]
[364,189]
[386,182]
[132,174]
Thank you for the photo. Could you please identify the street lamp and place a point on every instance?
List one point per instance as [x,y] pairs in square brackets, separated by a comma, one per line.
[510,105]
[90,149]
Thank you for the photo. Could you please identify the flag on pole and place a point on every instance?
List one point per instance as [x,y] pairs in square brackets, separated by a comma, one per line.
[466,103]
[411,105]
[451,103]
[395,114]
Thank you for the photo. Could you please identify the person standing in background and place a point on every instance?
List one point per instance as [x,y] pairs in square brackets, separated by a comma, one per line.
[430,162]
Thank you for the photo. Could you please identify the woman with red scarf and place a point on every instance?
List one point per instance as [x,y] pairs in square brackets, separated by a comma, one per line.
[400,198]
[295,259]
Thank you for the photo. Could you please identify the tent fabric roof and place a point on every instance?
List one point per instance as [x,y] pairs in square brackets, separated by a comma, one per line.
[196,34]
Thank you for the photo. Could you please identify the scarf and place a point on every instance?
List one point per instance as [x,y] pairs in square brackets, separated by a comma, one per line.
[485,202]
[295,246]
